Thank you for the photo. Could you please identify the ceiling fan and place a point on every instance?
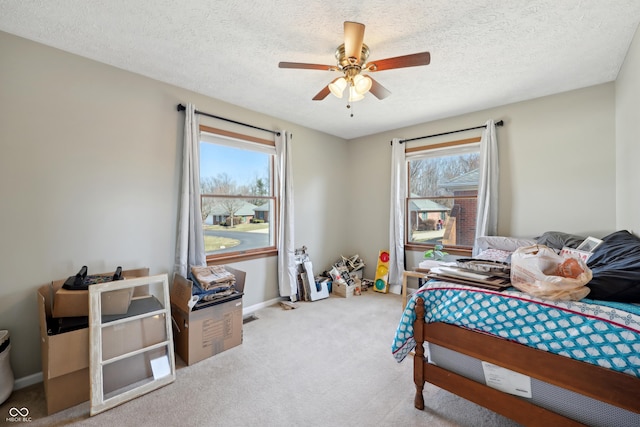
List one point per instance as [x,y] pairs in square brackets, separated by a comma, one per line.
[352,62]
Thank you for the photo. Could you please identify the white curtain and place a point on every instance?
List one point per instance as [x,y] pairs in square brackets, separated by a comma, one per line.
[487,219]
[287,268]
[190,240]
[397,211]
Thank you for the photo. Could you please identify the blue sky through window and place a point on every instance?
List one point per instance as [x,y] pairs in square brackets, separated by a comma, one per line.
[243,166]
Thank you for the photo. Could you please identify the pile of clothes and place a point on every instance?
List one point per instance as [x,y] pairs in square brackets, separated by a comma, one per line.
[212,282]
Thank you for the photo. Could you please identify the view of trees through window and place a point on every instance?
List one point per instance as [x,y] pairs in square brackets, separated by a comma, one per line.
[442,199]
[237,201]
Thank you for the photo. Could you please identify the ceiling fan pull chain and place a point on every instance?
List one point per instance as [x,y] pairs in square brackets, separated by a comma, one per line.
[350,108]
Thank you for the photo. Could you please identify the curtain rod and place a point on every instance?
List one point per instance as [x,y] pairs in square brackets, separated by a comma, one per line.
[499,123]
[183,108]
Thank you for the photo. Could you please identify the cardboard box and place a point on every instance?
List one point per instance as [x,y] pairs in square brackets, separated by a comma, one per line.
[209,330]
[341,289]
[65,357]
[75,303]
[122,338]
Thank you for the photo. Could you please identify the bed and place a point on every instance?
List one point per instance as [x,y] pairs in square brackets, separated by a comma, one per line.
[579,361]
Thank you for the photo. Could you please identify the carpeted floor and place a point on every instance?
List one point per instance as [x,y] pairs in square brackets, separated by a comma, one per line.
[325,363]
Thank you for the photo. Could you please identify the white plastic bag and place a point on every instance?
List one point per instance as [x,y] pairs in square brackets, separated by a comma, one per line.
[539,271]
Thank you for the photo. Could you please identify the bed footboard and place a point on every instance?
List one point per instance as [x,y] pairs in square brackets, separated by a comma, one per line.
[611,387]
[418,358]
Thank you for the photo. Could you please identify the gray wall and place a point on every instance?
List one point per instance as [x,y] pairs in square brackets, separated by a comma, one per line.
[89,167]
[557,167]
[628,140]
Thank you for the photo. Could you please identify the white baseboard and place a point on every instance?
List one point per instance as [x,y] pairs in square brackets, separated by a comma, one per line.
[256,307]
[37,377]
[27,381]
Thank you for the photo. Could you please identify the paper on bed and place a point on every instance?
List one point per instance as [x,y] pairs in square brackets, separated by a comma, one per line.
[460,273]
[473,278]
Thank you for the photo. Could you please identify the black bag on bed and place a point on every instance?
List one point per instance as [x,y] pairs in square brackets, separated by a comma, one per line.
[616,268]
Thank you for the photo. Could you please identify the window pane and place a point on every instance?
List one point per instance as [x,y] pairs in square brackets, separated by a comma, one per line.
[441,207]
[445,221]
[442,176]
[237,224]
[230,170]
[238,207]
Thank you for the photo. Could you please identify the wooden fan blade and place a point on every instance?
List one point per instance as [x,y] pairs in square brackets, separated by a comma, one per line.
[378,90]
[353,39]
[322,94]
[325,91]
[307,66]
[423,58]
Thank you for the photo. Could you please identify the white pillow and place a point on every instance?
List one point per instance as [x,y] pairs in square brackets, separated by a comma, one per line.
[502,243]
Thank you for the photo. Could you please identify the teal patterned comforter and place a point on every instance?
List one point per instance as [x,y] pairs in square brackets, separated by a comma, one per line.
[596,332]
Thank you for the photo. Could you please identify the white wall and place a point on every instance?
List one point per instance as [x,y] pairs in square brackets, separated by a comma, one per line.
[557,168]
[89,166]
[628,140]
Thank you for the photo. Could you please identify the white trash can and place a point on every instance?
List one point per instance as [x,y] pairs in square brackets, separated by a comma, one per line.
[6,374]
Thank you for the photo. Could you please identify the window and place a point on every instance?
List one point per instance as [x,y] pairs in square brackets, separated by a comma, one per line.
[237,195]
[442,195]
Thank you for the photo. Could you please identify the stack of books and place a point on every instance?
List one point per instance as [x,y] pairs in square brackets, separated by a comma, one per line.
[492,279]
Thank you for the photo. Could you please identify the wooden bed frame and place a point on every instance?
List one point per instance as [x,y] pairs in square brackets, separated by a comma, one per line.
[608,386]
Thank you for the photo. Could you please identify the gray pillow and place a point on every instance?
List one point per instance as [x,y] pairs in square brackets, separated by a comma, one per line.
[558,240]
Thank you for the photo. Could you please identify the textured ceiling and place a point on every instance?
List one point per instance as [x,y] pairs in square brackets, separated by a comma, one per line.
[484,53]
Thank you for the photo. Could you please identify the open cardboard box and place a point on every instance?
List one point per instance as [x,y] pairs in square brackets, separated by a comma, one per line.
[205,331]
[75,303]
[65,356]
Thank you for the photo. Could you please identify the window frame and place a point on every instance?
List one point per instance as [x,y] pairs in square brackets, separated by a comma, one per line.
[247,254]
[411,154]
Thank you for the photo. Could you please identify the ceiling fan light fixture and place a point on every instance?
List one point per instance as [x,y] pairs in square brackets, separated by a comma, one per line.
[351,60]
[338,86]
[362,84]
[354,95]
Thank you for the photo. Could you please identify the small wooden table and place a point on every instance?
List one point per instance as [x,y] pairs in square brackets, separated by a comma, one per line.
[419,273]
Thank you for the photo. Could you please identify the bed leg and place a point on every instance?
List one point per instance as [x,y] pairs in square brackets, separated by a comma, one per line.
[418,358]
[418,400]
